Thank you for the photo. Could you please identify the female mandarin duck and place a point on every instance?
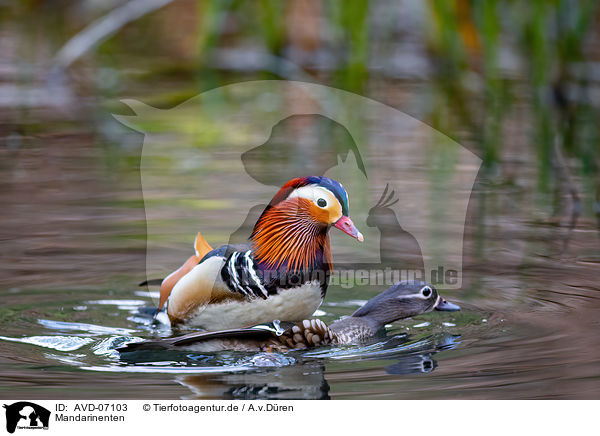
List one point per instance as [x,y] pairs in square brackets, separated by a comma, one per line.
[281,274]
[402,300]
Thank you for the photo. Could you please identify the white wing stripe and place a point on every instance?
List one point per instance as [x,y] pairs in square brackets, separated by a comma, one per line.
[233,273]
[254,275]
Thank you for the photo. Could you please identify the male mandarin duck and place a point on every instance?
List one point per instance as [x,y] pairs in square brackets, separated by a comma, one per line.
[402,300]
[282,273]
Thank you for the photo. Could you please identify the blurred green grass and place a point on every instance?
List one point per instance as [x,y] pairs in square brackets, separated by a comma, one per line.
[479,62]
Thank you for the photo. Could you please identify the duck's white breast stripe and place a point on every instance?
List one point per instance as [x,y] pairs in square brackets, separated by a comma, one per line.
[253,274]
[234,275]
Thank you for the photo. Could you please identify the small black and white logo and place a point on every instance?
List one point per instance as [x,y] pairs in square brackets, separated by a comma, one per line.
[26,415]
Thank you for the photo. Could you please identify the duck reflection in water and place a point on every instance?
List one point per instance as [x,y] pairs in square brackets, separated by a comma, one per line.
[306,376]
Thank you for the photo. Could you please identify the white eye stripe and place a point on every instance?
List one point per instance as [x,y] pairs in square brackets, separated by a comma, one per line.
[313,193]
[402,297]
[418,294]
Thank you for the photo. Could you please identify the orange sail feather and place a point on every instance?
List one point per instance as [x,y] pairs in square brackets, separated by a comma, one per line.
[201,248]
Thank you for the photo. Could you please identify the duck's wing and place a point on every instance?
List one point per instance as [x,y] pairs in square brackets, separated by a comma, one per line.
[227,273]
[199,286]
[201,248]
[256,332]
[202,252]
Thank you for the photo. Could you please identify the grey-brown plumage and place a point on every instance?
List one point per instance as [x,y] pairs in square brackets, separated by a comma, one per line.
[403,300]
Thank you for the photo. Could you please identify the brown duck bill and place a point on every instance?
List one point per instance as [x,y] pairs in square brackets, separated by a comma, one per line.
[346,225]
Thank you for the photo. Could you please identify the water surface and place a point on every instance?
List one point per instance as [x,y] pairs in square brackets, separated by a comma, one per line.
[528,328]
[74,225]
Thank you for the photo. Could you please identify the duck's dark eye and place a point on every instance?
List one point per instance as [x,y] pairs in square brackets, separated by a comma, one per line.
[426,292]
[321,202]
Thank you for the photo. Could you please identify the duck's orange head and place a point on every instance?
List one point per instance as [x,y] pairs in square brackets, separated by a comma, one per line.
[299,217]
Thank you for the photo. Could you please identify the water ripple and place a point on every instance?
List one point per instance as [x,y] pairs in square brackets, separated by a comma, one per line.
[83,327]
[59,343]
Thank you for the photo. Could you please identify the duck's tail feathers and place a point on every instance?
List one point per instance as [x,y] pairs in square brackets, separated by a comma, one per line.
[259,331]
[143,345]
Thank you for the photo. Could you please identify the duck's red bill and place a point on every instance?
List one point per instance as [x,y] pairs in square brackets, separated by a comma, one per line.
[346,225]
